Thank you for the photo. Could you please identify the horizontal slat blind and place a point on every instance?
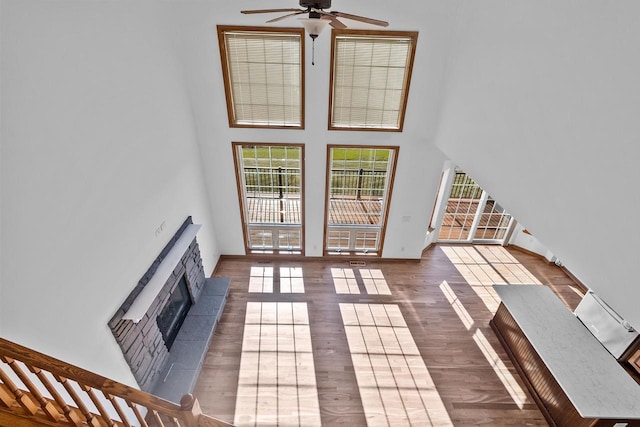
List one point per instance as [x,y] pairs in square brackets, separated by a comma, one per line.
[265,76]
[370,78]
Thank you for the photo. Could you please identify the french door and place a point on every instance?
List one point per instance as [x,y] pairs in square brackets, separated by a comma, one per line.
[472,215]
[270,189]
[358,192]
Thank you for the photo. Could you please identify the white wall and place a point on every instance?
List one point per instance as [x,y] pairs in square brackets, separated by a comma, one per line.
[98,150]
[541,107]
[530,242]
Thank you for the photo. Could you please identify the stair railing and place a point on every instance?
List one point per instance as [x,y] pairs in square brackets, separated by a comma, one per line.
[36,389]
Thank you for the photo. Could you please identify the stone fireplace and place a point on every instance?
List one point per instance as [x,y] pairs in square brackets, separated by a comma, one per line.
[147,323]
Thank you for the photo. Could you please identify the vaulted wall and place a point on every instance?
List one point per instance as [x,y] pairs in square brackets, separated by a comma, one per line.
[100,167]
[541,107]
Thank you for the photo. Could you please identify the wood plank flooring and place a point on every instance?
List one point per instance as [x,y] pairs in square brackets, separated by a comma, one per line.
[424,350]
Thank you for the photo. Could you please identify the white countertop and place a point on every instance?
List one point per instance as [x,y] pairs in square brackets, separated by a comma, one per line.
[590,376]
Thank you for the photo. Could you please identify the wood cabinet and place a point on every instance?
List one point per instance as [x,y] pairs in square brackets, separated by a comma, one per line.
[552,401]
[634,360]
[571,376]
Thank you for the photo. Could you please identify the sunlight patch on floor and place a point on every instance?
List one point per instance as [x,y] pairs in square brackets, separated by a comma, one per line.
[344,280]
[506,377]
[484,266]
[462,312]
[277,384]
[476,272]
[374,281]
[509,382]
[291,281]
[261,280]
[577,291]
[395,386]
[507,265]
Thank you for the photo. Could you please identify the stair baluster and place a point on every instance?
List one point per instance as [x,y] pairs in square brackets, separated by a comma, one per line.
[91,419]
[136,412]
[6,398]
[98,404]
[157,419]
[22,398]
[69,413]
[47,406]
[118,408]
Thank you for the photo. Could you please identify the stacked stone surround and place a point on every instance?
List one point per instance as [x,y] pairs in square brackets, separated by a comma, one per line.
[142,344]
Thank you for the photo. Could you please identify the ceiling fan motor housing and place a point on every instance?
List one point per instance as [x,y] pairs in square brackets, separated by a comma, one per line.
[317,4]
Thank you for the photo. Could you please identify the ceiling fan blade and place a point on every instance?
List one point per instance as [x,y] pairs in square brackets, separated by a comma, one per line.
[361,19]
[335,22]
[280,18]
[247,12]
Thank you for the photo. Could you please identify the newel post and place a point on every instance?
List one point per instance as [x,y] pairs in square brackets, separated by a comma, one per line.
[190,409]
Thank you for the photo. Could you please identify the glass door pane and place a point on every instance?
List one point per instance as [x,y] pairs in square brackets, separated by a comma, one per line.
[472,215]
[494,222]
[462,206]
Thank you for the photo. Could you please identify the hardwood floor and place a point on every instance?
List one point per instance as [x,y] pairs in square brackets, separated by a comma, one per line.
[462,376]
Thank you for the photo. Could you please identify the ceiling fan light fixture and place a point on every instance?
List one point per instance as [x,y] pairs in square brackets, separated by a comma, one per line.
[314,26]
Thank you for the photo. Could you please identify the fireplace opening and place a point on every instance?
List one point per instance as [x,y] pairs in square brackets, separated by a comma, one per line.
[174,312]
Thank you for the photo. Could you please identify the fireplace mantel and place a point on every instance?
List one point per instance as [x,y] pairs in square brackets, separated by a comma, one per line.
[148,294]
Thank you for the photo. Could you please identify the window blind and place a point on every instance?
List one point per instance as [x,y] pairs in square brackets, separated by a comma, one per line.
[265,77]
[370,80]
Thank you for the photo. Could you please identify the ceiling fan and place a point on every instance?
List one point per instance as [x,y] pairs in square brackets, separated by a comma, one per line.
[316,11]
[318,18]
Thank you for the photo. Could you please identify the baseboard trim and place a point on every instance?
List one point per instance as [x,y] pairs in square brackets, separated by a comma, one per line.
[528,252]
[214,273]
[429,247]
[581,286]
[287,258]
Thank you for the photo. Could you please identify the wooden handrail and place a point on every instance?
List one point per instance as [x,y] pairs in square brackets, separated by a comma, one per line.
[31,404]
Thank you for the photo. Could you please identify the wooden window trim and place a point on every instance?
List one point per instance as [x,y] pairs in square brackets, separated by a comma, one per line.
[431,227]
[413,35]
[227,80]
